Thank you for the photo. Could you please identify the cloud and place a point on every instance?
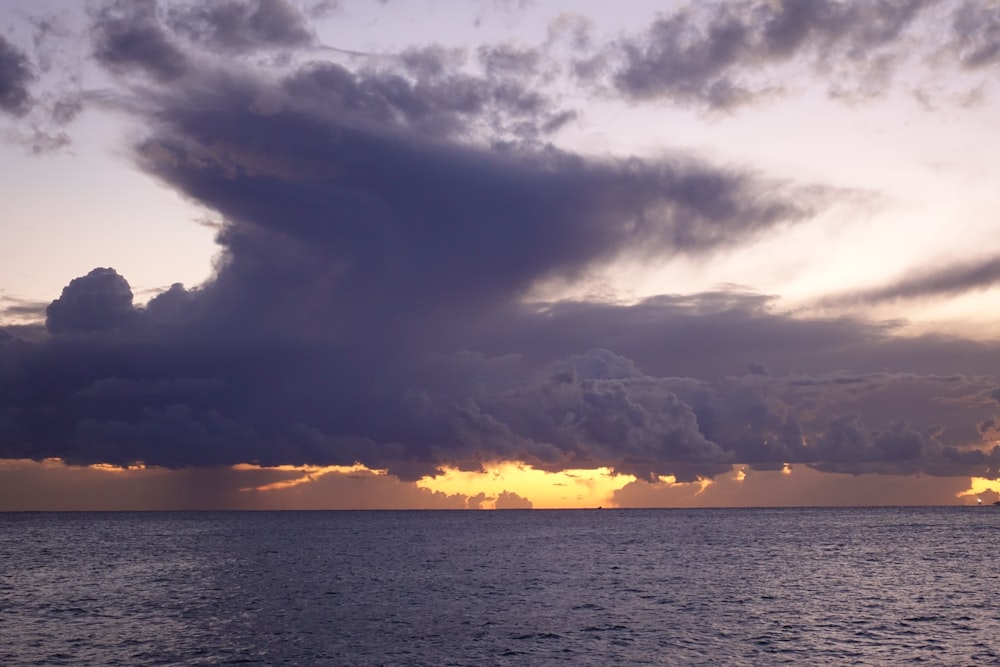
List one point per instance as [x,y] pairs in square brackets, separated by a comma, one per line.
[53,486]
[100,300]
[399,218]
[39,86]
[433,104]
[16,75]
[188,387]
[719,56]
[241,25]
[707,54]
[22,309]
[381,229]
[976,34]
[129,36]
[508,58]
[797,486]
[508,500]
[949,280]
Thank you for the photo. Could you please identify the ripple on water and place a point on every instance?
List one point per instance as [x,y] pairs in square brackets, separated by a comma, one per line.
[736,587]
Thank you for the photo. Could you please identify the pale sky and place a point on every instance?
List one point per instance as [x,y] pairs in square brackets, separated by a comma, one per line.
[429,209]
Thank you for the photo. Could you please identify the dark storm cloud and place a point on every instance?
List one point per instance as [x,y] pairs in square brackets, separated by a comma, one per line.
[848,446]
[16,75]
[350,186]
[762,423]
[363,257]
[927,284]
[707,54]
[593,412]
[381,228]
[177,393]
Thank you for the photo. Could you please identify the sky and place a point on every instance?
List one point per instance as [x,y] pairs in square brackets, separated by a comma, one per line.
[282,254]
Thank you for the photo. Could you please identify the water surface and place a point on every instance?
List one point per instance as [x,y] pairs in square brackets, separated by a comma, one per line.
[872,586]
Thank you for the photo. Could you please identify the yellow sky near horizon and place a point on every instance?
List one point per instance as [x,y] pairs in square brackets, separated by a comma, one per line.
[52,485]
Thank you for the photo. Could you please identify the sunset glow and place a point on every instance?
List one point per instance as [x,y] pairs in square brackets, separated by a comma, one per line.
[560,490]
[986,490]
[306,474]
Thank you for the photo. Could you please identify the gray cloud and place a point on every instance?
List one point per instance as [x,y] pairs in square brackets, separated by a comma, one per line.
[241,25]
[39,86]
[16,75]
[432,105]
[509,59]
[976,34]
[707,54]
[129,35]
[716,55]
[21,309]
[927,283]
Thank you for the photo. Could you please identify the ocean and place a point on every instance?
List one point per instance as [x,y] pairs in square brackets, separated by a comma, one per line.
[846,586]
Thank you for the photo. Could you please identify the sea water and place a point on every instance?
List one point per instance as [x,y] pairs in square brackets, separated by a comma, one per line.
[870,586]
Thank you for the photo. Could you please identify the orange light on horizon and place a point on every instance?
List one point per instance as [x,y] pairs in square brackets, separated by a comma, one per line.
[309,474]
[977,487]
[566,489]
[702,482]
[110,467]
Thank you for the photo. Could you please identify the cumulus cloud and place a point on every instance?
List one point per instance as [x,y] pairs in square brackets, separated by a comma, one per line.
[100,300]
[197,389]
[508,500]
